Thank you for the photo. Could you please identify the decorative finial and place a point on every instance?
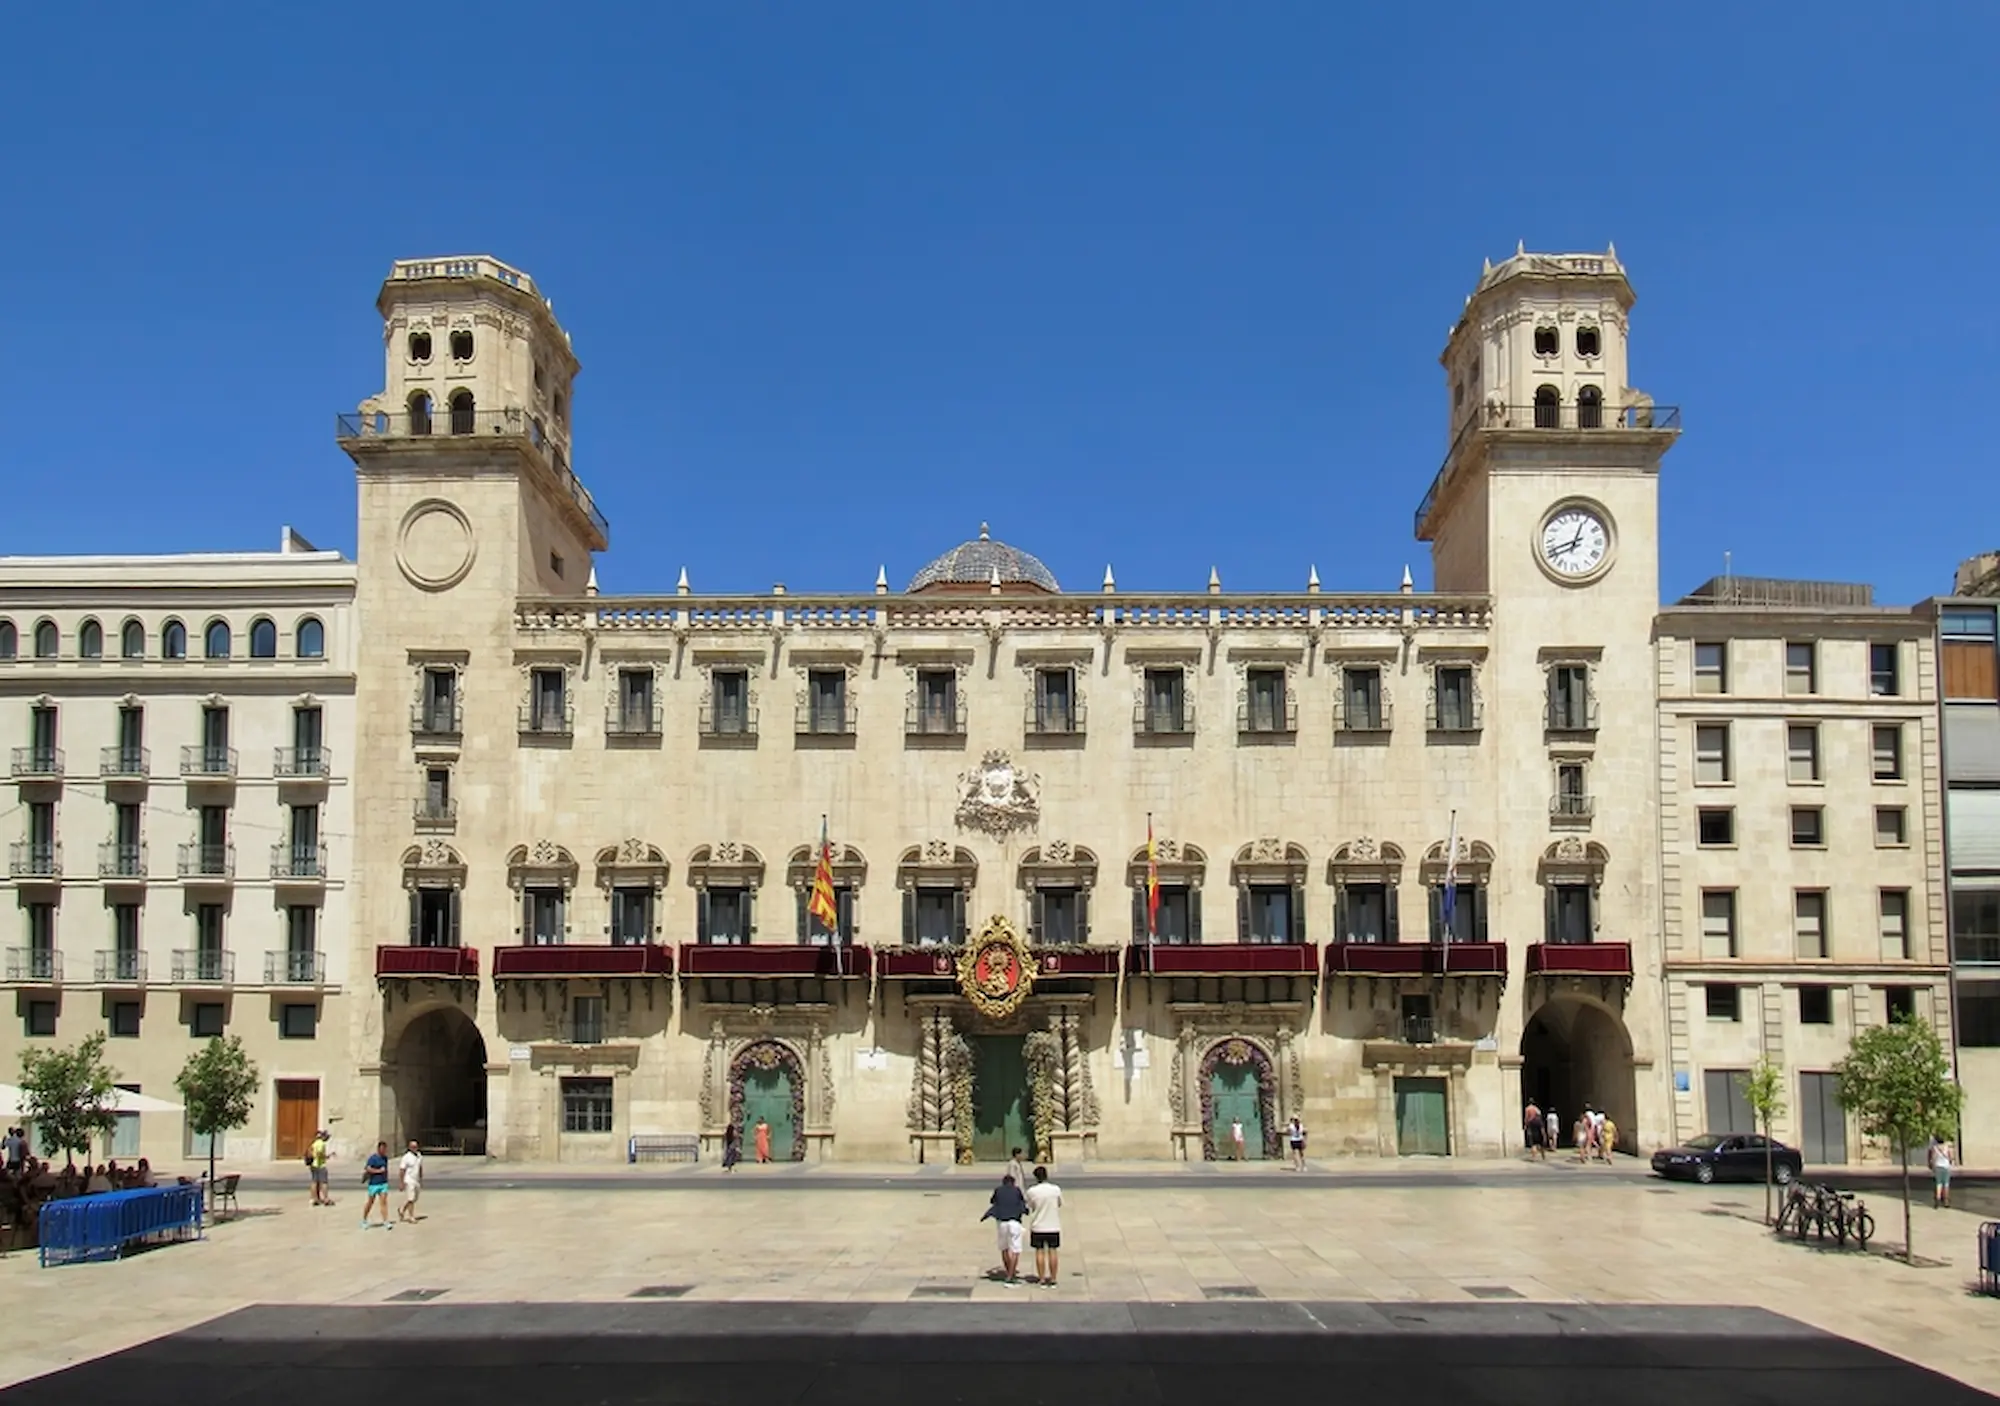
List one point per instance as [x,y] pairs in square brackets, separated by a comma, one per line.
[590,583]
[1485,266]
[778,589]
[681,587]
[1110,585]
[1408,584]
[1214,582]
[882,580]
[1312,579]
[993,582]
[1520,248]
[982,533]
[1611,250]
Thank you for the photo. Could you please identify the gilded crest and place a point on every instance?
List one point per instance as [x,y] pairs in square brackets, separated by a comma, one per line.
[996,973]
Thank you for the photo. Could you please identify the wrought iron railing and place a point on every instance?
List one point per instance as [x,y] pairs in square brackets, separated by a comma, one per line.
[1163,719]
[1419,1030]
[1276,716]
[827,719]
[1046,718]
[121,859]
[1570,714]
[634,719]
[927,719]
[298,861]
[205,861]
[435,718]
[35,859]
[290,968]
[38,761]
[124,761]
[205,966]
[124,965]
[435,810]
[1565,805]
[1361,714]
[732,720]
[204,760]
[38,964]
[302,762]
[548,719]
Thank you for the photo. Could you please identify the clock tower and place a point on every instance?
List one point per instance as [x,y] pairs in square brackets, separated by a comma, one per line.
[1548,501]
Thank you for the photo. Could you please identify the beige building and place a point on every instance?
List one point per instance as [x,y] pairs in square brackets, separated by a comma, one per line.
[179,734]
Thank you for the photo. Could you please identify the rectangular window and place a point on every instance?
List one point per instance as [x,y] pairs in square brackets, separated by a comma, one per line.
[1715,825]
[305,842]
[1166,702]
[301,942]
[298,1020]
[725,915]
[1468,914]
[41,918]
[1888,752]
[631,916]
[40,1019]
[1894,907]
[1978,1015]
[1724,1002]
[1809,924]
[41,854]
[937,916]
[205,1020]
[1060,917]
[1815,1005]
[1711,668]
[1361,699]
[936,703]
[729,702]
[548,701]
[215,741]
[1718,923]
[131,741]
[826,691]
[437,806]
[1456,710]
[212,823]
[1264,702]
[1891,827]
[1884,678]
[308,756]
[440,705]
[543,920]
[126,963]
[1367,914]
[1174,923]
[435,918]
[586,1105]
[196,1145]
[635,703]
[1711,754]
[42,740]
[125,1020]
[1728,1109]
[1899,1003]
[1967,662]
[208,930]
[1569,702]
[1267,913]
[1572,799]
[1055,700]
[1569,914]
[1801,667]
[586,1020]
[1975,925]
[1802,752]
[1808,827]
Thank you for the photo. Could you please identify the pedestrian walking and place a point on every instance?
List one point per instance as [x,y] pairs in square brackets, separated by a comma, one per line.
[12,1150]
[1236,1139]
[1940,1159]
[413,1183]
[316,1159]
[375,1178]
[1533,1126]
[763,1141]
[1044,1200]
[1555,1128]
[1581,1132]
[1017,1169]
[1597,1133]
[1007,1209]
[1607,1138]
[732,1147]
[1295,1134]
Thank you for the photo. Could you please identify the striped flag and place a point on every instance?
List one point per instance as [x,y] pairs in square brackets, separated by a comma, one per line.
[1450,901]
[1152,883]
[823,903]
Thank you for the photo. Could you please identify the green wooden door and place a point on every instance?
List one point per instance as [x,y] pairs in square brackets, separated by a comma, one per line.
[1420,1118]
[767,1094]
[1000,1114]
[1233,1090]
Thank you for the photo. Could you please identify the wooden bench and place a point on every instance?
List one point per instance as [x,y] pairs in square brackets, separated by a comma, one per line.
[663,1147]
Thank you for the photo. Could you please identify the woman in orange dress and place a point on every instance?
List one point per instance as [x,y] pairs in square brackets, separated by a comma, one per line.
[763,1141]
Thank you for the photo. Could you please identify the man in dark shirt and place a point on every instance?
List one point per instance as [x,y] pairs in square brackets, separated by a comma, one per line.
[1007,1210]
[375,1177]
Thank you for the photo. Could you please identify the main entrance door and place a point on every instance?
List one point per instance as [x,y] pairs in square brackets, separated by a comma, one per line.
[1421,1129]
[767,1095]
[298,1116]
[1000,1117]
[1233,1092]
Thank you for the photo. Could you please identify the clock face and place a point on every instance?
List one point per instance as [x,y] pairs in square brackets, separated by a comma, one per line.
[1574,542]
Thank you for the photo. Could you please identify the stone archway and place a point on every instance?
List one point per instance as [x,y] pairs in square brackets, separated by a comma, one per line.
[767,1080]
[1576,1052]
[439,1082]
[1239,1054]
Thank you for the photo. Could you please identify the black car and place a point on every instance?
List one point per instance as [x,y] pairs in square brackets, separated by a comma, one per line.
[1729,1157]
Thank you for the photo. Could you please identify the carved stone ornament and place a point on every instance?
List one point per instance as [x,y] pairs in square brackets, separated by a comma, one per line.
[1268,851]
[1569,850]
[544,853]
[436,854]
[995,975]
[998,798]
[1056,852]
[728,852]
[1364,851]
[1167,851]
[938,851]
[633,851]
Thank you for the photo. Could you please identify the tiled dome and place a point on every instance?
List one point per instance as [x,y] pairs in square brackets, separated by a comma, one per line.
[973,564]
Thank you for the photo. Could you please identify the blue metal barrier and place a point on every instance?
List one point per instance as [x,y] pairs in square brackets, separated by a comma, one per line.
[1989,1257]
[102,1227]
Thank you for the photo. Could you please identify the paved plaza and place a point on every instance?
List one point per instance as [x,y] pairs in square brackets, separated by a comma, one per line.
[1532,1256]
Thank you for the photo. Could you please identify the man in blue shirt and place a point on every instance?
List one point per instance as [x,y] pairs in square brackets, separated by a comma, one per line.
[375,1177]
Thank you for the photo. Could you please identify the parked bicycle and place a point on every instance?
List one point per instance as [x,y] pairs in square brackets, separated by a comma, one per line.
[1823,1212]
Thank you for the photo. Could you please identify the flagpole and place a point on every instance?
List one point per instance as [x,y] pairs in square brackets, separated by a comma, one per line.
[1450,891]
[826,858]
[1152,891]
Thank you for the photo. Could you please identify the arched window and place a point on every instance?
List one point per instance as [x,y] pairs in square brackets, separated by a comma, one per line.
[1269,877]
[10,640]
[461,412]
[850,872]
[633,875]
[1176,918]
[1365,875]
[433,874]
[1058,878]
[461,346]
[420,346]
[215,640]
[1572,875]
[1587,341]
[1548,408]
[936,880]
[420,413]
[310,640]
[263,639]
[543,875]
[1458,907]
[47,639]
[132,640]
[173,640]
[1590,408]
[725,878]
[90,640]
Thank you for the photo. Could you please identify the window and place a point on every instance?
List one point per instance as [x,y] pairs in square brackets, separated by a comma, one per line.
[1978,1015]
[462,412]
[636,716]
[440,702]
[1975,924]
[215,640]
[729,703]
[126,962]
[90,640]
[1467,921]
[826,701]
[41,918]
[205,1020]
[301,942]
[586,1020]
[1569,704]
[1718,923]
[1572,801]
[1809,924]
[1586,341]
[215,755]
[1711,754]
[1364,914]
[555,558]
[42,721]
[298,1020]
[1967,662]
[1899,1003]
[1166,701]
[547,704]
[1808,827]
[173,640]
[1548,408]
[935,711]
[1267,913]
[723,916]
[1815,1005]
[124,1023]
[1724,1002]
[263,639]
[309,639]
[420,346]
[1548,341]
[1716,826]
[631,916]
[1569,914]
[132,640]
[1802,752]
[1265,707]
[1178,919]
[41,1019]
[1055,701]
[461,346]
[1058,920]
[1361,707]
[434,917]
[940,916]
[1893,905]
[586,1105]
[47,639]
[10,641]
[1883,677]
[1590,408]
[1888,752]
[543,920]
[1456,707]
[562,408]
[1891,831]
[1801,667]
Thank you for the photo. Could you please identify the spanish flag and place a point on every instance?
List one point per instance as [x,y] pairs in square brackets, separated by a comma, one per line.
[1152,883]
[824,904]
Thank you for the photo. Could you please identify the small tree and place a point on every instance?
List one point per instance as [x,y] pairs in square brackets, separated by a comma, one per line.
[68,1096]
[1896,1080]
[1764,1091]
[217,1084]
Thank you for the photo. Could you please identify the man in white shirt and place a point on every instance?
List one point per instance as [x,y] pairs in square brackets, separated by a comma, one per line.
[413,1183]
[1236,1140]
[1045,1226]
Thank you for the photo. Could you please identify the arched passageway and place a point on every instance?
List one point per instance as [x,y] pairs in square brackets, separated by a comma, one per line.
[439,1083]
[1574,1054]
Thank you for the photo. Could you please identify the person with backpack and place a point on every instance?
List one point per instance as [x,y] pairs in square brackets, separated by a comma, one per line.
[1007,1209]
[316,1160]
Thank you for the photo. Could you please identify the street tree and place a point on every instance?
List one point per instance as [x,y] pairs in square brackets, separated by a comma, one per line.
[1764,1091]
[217,1083]
[1897,1081]
[68,1096]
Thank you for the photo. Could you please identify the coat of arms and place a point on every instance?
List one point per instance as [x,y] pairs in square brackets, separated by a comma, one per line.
[998,797]
[995,974]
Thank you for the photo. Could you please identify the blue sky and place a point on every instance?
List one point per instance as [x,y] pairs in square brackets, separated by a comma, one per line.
[1156,284]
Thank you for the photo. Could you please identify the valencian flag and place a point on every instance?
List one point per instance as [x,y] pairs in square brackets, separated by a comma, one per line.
[823,903]
[1152,883]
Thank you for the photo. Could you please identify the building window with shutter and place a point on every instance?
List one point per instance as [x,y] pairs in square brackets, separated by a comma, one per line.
[636,713]
[1267,914]
[1718,923]
[813,931]
[1568,922]
[1809,925]
[939,916]
[437,707]
[1468,913]
[1570,705]
[1711,667]
[1056,917]
[934,705]
[1165,708]
[1894,909]
[1801,667]
[1968,663]
[1455,705]
[729,704]
[1174,922]
[826,701]
[1888,752]
[1364,914]
[725,916]
[544,919]
[1802,753]
[1884,675]
[1712,762]
[1267,707]
[434,917]
[1055,710]
[1362,707]
[586,1020]
[631,916]
[547,714]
